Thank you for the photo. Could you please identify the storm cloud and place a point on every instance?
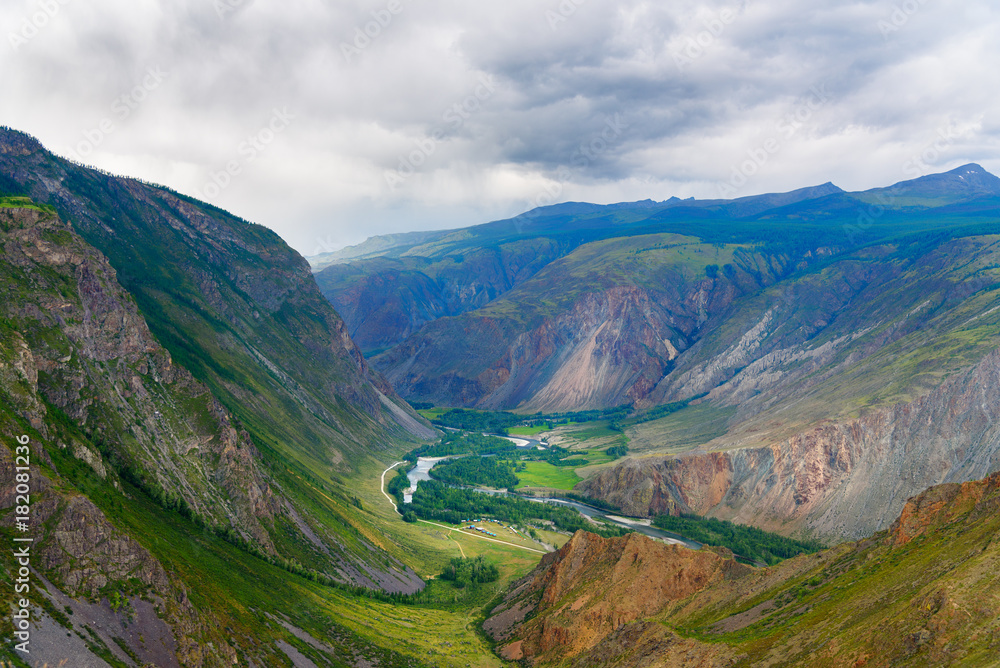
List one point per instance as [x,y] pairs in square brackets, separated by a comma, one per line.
[330,122]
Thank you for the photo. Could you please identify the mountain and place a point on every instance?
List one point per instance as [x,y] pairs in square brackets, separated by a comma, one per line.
[389,286]
[836,349]
[968,181]
[923,592]
[196,419]
[381,246]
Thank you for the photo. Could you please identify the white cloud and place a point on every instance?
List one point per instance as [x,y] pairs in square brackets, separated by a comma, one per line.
[559,71]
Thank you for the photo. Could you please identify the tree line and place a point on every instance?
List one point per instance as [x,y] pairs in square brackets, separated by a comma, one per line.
[748,542]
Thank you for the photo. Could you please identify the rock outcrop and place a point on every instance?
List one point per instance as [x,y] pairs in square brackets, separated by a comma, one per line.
[836,481]
[94,359]
[925,592]
[595,586]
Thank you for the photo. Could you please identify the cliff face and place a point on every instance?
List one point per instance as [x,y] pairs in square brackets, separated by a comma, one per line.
[78,344]
[117,426]
[925,592]
[838,481]
[385,300]
[593,586]
[599,327]
[76,351]
[232,303]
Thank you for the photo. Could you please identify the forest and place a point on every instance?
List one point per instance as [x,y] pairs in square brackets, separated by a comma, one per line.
[750,543]
[434,500]
[463,571]
[477,471]
[455,443]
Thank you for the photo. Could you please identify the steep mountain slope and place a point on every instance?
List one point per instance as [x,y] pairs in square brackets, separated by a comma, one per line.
[845,342]
[925,592]
[125,448]
[846,392]
[414,305]
[384,300]
[231,302]
[598,327]
[389,286]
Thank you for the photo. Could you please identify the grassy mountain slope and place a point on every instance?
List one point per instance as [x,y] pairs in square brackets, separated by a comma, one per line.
[230,301]
[200,428]
[236,307]
[827,332]
[923,592]
[150,509]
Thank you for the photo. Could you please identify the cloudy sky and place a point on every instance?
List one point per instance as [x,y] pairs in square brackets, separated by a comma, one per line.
[333,121]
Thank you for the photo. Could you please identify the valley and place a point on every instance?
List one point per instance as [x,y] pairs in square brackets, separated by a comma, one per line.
[798,407]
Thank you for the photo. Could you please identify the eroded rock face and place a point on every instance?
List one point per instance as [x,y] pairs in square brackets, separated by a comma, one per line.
[922,593]
[581,337]
[84,552]
[840,480]
[92,356]
[595,586]
[942,504]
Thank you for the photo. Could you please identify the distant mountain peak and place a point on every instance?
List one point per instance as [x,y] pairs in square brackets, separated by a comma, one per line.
[971,168]
[969,180]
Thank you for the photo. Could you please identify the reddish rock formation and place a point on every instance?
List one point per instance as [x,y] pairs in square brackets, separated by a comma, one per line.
[594,586]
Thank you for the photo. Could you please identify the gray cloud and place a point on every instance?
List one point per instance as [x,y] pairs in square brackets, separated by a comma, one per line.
[591,100]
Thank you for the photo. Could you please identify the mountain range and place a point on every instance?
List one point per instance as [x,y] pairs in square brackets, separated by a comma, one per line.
[210,422]
[835,348]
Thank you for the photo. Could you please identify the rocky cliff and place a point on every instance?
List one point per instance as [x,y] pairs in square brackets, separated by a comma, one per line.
[841,405]
[599,327]
[80,347]
[125,442]
[925,592]
[231,302]
[385,300]
[837,480]
[592,586]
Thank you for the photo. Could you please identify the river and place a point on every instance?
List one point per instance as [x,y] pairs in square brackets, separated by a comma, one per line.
[422,472]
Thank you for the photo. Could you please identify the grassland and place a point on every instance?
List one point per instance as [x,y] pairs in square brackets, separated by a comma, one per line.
[678,432]
[528,431]
[543,474]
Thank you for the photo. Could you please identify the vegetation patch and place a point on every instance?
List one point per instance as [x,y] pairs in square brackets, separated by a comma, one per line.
[462,572]
[484,471]
[544,474]
[747,543]
[437,501]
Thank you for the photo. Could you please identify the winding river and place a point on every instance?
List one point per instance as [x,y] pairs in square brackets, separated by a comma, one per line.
[422,472]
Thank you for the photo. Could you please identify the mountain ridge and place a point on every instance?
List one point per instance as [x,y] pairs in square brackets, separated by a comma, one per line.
[885,600]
